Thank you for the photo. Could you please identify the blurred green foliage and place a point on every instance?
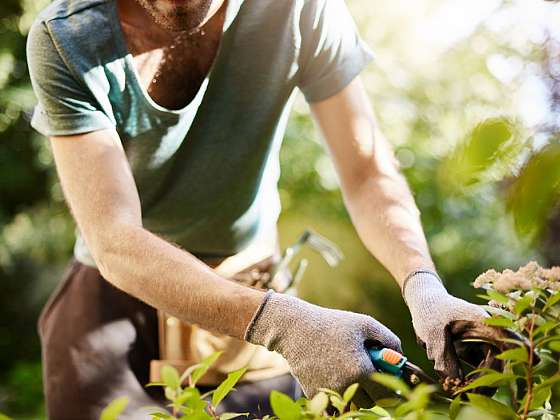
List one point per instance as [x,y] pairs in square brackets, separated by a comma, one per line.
[445,100]
[491,143]
[538,183]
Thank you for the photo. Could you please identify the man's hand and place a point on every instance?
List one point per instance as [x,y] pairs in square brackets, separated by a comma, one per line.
[325,348]
[434,311]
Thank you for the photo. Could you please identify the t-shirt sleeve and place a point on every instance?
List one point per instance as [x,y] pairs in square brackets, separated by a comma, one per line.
[332,52]
[65,105]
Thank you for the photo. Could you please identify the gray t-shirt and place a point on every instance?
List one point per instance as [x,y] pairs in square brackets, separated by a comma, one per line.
[206,174]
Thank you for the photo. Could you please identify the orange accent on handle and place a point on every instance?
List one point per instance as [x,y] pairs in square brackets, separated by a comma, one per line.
[391,356]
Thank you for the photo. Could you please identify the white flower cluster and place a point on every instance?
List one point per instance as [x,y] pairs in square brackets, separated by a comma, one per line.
[527,277]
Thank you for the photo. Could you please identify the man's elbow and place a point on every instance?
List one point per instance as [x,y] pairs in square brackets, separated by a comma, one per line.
[111,249]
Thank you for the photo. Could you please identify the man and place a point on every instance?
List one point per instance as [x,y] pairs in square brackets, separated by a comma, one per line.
[165,119]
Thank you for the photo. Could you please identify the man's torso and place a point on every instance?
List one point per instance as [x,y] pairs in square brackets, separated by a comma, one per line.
[206,173]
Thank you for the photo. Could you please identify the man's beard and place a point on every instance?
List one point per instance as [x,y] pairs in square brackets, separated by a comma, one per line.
[177,16]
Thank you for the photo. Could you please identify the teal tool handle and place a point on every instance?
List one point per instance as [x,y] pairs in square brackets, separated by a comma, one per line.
[387,360]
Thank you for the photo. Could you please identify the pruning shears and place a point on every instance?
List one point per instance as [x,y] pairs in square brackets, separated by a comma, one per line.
[390,361]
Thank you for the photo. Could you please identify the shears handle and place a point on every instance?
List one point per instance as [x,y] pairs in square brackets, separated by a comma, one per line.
[387,360]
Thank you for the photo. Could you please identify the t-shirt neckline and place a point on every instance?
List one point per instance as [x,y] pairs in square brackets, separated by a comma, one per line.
[232,9]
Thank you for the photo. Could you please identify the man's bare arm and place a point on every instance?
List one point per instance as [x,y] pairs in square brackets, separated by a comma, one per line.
[101,192]
[388,221]
[376,194]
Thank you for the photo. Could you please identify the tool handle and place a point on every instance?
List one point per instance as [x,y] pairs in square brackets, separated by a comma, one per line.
[387,360]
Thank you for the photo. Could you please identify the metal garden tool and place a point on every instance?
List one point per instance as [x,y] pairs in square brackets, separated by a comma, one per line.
[327,249]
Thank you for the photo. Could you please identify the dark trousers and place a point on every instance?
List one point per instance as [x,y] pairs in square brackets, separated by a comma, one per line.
[97,344]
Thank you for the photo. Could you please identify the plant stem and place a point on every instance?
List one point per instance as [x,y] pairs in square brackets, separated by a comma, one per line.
[529,395]
[212,412]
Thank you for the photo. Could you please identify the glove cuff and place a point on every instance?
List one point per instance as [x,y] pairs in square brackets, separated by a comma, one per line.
[249,332]
[420,284]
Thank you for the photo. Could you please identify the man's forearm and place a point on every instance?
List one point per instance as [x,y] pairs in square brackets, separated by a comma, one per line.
[386,217]
[376,194]
[170,279]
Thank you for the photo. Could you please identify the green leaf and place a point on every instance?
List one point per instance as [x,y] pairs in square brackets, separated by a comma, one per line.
[330,392]
[226,386]
[418,399]
[228,416]
[540,396]
[492,141]
[114,409]
[378,411]
[542,414]
[362,414]
[498,311]
[552,300]
[491,379]
[191,397]
[284,407]
[170,376]
[155,384]
[4,417]
[497,296]
[549,381]
[554,345]
[499,322]
[161,415]
[388,402]
[546,327]
[403,409]
[318,403]
[519,354]
[531,197]
[349,393]
[170,393]
[391,382]
[338,403]
[454,408]
[491,406]
[203,367]
[196,415]
[481,370]
[522,304]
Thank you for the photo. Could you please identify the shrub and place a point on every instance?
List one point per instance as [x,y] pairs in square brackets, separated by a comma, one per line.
[525,302]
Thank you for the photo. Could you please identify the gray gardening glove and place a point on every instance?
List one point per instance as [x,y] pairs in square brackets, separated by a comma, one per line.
[435,313]
[325,348]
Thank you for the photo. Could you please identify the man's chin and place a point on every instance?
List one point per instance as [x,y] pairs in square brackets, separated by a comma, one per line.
[174,17]
[177,24]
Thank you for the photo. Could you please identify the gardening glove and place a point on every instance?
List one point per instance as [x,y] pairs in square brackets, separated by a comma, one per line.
[325,348]
[438,318]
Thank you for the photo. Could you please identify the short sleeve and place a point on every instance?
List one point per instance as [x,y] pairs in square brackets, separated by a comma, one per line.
[65,104]
[332,52]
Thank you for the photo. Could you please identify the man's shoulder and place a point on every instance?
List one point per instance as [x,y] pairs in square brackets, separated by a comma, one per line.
[63,9]
[79,31]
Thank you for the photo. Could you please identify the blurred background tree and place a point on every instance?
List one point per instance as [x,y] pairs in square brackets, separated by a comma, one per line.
[467,92]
